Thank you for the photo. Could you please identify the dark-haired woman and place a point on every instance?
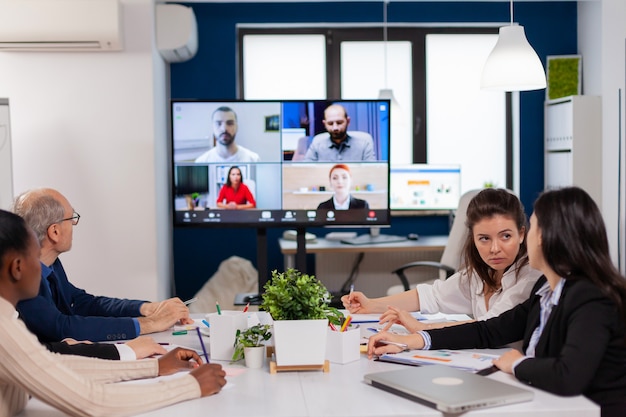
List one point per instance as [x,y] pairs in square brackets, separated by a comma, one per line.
[573,325]
[496,276]
[235,195]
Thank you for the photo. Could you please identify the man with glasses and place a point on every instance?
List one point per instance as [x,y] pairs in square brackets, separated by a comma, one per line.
[62,310]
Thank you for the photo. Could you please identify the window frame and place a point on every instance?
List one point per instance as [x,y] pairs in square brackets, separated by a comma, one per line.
[416,34]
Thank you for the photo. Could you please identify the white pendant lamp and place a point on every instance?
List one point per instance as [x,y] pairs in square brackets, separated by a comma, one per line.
[513,65]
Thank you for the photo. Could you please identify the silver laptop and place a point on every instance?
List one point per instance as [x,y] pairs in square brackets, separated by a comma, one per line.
[447,389]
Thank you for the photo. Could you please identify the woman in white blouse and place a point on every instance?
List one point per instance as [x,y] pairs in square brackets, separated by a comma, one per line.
[495,276]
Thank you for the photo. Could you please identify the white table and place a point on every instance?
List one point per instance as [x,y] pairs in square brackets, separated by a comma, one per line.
[338,393]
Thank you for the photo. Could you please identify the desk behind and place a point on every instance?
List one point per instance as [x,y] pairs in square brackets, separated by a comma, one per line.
[334,261]
[338,393]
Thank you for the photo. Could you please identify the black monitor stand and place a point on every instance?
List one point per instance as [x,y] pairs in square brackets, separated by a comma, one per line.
[262,265]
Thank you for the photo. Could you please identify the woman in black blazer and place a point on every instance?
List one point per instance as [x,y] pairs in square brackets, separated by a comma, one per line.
[579,345]
[340,180]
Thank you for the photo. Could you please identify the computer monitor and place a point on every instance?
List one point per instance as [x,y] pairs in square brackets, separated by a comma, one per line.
[424,187]
[287,184]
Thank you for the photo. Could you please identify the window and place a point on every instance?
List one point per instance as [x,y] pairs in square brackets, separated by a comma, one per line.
[439,114]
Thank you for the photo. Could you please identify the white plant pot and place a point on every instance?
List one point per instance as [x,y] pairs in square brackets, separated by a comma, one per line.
[254,356]
[300,342]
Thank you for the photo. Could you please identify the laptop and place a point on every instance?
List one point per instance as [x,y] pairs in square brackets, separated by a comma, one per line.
[447,389]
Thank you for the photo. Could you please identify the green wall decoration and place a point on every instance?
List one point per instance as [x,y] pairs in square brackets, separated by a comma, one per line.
[564,76]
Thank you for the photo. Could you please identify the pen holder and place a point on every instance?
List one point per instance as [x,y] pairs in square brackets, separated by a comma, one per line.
[223,329]
[343,347]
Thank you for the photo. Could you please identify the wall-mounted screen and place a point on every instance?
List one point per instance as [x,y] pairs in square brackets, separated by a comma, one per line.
[280,163]
[425,187]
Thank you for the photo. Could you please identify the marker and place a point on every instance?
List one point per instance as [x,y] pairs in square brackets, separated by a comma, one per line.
[219,310]
[206,356]
[180,332]
[206,323]
[246,308]
[193,300]
[332,326]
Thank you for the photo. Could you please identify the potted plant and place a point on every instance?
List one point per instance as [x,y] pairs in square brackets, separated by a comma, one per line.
[248,345]
[299,306]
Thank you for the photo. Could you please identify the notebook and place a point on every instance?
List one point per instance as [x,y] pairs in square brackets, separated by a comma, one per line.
[447,389]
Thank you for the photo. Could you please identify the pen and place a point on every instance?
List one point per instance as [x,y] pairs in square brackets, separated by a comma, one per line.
[192,300]
[206,356]
[206,323]
[180,332]
[245,309]
[388,342]
[350,296]
[332,326]
[345,324]
[219,310]
[373,329]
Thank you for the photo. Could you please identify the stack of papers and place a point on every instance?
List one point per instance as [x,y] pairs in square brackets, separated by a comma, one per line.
[460,359]
[427,318]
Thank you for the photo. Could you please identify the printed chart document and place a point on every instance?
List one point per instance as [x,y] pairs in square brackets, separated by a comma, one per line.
[427,318]
[460,359]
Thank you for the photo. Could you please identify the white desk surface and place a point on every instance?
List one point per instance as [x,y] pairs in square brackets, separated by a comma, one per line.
[338,393]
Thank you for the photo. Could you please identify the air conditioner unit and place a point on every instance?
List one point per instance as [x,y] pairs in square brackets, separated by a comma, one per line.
[60,25]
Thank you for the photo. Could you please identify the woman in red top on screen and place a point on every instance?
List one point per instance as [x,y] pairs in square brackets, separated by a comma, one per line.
[235,195]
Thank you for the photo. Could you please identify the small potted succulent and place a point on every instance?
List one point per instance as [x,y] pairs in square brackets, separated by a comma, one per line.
[249,345]
[299,306]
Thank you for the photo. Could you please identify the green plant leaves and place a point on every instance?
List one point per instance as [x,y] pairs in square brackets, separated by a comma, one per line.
[291,295]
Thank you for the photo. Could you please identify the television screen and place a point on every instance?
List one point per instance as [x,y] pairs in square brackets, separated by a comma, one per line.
[425,187]
[280,163]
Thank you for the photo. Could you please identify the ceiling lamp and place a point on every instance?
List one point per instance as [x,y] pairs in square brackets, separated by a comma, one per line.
[513,65]
[386,93]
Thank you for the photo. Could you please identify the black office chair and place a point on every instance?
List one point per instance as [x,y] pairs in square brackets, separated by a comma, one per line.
[451,257]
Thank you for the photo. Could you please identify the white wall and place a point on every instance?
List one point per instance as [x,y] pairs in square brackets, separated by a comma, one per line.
[602,34]
[93,125]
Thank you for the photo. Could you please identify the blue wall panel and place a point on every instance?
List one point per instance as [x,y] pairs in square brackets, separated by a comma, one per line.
[550,27]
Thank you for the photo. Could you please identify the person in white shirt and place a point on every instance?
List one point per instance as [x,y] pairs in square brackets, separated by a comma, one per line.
[224,121]
[495,276]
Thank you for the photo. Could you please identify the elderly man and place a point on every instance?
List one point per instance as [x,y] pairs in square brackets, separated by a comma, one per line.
[61,310]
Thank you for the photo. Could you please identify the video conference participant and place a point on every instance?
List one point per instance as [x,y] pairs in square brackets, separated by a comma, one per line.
[338,145]
[76,385]
[573,325]
[62,310]
[224,122]
[235,195]
[496,276]
[340,180]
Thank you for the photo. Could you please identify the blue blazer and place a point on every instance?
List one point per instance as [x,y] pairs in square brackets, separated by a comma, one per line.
[68,311]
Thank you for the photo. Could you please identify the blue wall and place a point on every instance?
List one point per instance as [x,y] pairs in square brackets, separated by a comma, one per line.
[211,74]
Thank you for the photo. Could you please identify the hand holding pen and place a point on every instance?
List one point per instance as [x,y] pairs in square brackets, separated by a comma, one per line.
[385,342]
[356,302]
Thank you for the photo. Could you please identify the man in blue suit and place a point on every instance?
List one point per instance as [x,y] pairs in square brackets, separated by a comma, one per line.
[62,310]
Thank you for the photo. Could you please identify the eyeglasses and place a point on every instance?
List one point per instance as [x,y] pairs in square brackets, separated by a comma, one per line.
[75,218]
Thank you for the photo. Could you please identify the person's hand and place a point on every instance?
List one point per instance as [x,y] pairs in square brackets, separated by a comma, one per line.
[177,360]
[70,341]
[375,347]
[164,315]
[144,347]
[506,361]
[394,315]
[360,304]
[211,378]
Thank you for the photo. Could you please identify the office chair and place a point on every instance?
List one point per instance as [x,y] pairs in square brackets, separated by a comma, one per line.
[451,257]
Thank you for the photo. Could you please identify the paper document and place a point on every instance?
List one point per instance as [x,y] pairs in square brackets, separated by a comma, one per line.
[437,317]
[460,359]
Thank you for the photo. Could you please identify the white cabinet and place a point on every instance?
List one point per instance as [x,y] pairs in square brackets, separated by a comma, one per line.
[6,170]
[573,144]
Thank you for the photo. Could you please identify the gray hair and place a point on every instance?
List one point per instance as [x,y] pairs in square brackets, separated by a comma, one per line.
[39,209]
